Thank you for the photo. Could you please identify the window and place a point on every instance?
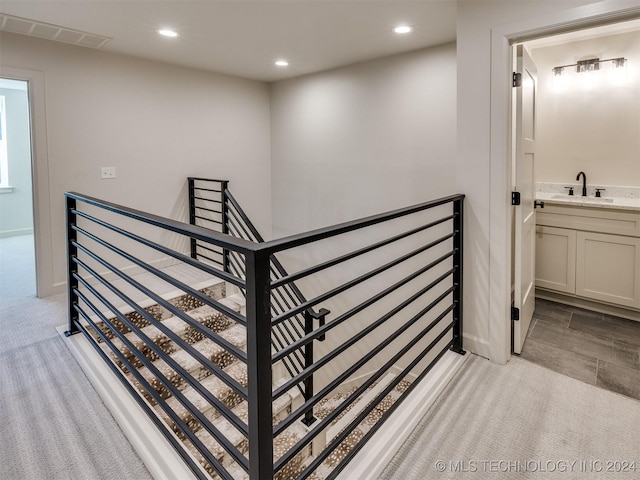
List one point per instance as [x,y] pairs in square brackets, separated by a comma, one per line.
[4,159]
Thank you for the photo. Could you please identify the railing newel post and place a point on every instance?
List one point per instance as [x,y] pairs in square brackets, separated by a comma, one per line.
[458,239]
[192,214]
[309,418]
[259,367]
[72,267]
[225,221]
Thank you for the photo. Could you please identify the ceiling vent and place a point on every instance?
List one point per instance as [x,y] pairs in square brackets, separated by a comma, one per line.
[24,26]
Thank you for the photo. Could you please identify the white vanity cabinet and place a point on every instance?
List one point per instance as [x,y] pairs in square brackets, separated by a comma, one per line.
[589,252]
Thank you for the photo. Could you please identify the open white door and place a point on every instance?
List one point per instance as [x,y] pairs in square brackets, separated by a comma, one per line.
[525,218]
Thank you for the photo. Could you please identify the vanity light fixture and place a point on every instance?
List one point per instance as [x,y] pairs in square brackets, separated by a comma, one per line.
[403,29]
[590,65]
[165,32]
[282,63]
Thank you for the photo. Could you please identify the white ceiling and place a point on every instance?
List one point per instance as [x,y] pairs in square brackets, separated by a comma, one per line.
[244,38]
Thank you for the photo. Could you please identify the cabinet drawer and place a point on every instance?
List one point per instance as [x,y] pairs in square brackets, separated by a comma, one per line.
[588,219]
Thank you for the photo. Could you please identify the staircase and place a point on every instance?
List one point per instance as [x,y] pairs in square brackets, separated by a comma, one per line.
[239,393]
[236,335]
[226,328]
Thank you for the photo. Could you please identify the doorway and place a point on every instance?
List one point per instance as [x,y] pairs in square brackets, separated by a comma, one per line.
[17,247]
[598,343]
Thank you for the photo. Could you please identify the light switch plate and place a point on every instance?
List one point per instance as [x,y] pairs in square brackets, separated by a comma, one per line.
[108,172]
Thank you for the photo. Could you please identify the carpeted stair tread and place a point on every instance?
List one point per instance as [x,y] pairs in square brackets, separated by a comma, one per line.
[184,303]
[236,334]
[205,315]
[281,408]
[213,384]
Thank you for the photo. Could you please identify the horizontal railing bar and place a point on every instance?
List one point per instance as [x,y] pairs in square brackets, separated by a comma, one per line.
[194,231]
[322,424]
[217,262]
[368,408]
[177,393]
[213,180]
[330,263]
[206,199]
[225,377]
[345,286]
[169,435]
[178,256]
[208,209]
[364,332]
[207,218]
[202,189]
[358,308]
[385,416]
[165,277]
[217,252]
[293,241]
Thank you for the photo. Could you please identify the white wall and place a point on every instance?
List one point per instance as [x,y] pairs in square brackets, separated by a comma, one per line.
[357,141]
[16,217]
[593,127]
[363,139]
[156,123]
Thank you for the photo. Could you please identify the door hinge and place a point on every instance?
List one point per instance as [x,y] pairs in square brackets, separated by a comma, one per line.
[515,313]
[515,198]
[516,79]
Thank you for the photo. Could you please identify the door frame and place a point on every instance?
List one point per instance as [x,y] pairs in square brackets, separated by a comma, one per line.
[502,40]
[39,177]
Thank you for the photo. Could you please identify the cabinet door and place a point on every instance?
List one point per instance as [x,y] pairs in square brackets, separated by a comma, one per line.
[608,268]
[556,259]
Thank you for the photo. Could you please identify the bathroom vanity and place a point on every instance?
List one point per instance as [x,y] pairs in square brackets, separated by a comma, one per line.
[588,252]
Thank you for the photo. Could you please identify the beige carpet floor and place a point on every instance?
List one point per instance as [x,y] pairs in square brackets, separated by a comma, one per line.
[53,424]
[522,421]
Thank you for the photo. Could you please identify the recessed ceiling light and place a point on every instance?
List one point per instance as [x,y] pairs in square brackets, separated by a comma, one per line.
[167,33]
[402,29]
[282,63]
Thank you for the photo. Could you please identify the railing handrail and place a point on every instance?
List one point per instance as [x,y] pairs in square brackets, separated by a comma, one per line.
[296,240]
[272,246]
[201,233]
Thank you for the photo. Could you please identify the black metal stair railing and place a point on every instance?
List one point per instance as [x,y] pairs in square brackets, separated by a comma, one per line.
[392,281]
[397,311]
[212,205]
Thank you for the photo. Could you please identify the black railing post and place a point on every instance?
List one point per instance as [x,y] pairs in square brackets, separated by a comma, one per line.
[72,267]
[192,214]
[259,366]
[458,226]
[308,361]
[224,208]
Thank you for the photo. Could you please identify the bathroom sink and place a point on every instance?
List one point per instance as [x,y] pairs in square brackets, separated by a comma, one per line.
[583,199]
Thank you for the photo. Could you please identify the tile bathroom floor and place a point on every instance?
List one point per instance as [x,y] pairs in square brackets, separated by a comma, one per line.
[595,348]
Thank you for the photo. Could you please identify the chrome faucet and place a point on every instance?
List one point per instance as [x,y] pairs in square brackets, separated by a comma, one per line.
[584,183]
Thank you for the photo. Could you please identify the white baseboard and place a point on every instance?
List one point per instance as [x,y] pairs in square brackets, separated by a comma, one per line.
[369,463]
[476,345]
[155,451]
[16,233]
